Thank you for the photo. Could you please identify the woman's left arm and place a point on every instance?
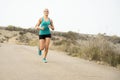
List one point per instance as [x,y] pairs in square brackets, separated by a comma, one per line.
[51,25]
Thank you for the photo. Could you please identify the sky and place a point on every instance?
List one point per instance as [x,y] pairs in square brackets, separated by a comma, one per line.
[83,16]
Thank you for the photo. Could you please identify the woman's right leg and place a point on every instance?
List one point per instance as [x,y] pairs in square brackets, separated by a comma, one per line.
[41,44]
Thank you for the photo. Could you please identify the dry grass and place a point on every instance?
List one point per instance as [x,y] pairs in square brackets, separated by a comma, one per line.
[96,48]
[99,47]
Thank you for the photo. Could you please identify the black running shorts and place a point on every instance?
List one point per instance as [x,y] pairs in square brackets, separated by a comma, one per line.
[44,36]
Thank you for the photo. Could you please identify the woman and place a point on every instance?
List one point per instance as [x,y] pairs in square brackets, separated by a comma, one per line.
[44,24]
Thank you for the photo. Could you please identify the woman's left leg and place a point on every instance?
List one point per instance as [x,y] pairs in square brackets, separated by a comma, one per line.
[47,42]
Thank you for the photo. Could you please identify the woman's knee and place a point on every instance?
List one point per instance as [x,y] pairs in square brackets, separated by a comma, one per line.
[41,48]
[46,49]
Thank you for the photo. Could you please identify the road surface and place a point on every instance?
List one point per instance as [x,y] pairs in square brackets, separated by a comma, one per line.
[20,62]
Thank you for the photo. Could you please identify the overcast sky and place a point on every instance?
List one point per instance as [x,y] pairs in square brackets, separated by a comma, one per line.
[84,16]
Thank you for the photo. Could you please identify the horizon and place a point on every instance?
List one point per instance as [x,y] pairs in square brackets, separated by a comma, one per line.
[62,31]
[88,17]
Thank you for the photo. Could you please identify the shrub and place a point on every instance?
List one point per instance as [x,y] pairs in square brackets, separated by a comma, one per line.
[101,50]
[33,42]
[98,49]
[13,28]
[22,32]
[70,35]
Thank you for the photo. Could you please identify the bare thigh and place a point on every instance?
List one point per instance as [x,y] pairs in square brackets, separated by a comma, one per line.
[47,42]
[42,44]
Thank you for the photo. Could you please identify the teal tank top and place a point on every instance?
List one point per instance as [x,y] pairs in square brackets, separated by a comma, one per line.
[45,24]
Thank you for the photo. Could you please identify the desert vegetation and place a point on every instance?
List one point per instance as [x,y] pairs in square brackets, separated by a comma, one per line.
[101,48]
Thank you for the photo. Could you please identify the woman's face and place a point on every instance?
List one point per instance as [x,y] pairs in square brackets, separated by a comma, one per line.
[46,12]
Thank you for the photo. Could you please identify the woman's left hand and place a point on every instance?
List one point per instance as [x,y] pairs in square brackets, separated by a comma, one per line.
[51,27]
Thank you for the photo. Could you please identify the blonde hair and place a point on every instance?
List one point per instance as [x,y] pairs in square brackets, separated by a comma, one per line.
[46,9]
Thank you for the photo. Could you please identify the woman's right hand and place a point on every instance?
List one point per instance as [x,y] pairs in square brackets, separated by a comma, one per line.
[41,28]
[37,28]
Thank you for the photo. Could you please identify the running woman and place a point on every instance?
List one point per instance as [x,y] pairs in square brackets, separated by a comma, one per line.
[43,25]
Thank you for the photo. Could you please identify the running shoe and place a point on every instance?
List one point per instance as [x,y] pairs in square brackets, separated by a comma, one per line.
[44,60]
[39,52]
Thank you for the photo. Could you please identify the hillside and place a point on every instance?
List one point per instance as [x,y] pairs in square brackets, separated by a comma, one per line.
[101,48]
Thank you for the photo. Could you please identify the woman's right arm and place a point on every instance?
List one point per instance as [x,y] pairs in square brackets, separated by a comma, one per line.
[38,24]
